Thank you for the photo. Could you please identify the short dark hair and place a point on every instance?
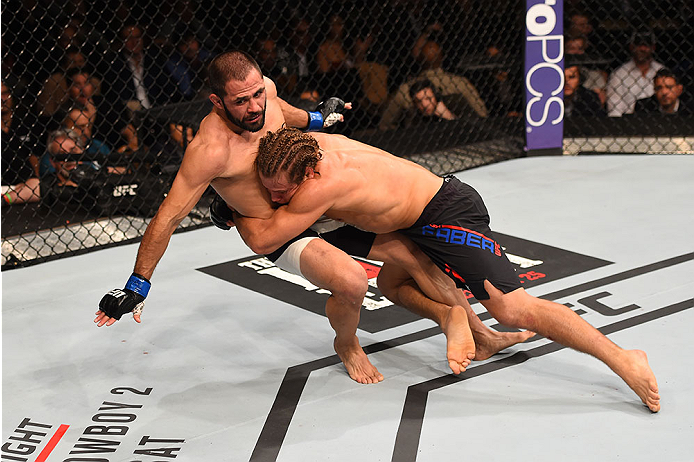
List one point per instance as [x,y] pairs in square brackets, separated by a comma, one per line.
[642,37]
[581,73]
[73,71]
[666,72]
[230,65]
[420,85]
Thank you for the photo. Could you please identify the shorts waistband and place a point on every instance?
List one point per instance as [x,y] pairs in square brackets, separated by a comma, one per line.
[437,202]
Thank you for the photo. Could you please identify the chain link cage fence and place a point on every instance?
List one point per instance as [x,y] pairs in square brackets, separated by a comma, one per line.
[100,98]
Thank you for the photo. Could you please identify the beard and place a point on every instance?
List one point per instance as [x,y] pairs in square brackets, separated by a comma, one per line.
[243,123]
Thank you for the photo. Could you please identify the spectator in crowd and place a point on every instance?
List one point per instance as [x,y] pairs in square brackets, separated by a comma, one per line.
[593,79]
[109,119]
[301,52]
[175,15]
[667,97]
[139,80]
[138,77]
[63,149]
[373,75]
[64,177]
[276,64]
[580,23]
[54,93]
[336,64]
[578,100]
[429,104]
[307,97]
[20,183]
[187,64]
[447,83]
[432,33]
[634,79]
[80,119]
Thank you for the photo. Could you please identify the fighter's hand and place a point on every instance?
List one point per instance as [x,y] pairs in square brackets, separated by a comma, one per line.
[332,110]
[102,319]
[221,214]
[328,113]
[117,302]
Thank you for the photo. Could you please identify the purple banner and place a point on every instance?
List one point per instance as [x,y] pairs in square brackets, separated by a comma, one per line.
[544,74]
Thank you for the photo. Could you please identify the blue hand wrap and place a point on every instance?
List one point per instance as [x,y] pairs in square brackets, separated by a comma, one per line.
[315,121]
[138,284]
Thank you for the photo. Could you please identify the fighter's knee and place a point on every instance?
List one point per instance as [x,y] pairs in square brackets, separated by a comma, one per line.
[351,285]
[512,309]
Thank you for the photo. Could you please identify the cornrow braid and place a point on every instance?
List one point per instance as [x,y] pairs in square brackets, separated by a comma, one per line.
[287,149]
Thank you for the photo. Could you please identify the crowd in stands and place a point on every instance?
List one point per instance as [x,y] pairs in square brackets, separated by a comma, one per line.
[96,68]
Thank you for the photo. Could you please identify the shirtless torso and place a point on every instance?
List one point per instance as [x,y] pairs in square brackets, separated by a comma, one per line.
[221,155]
[226,158]
[347,175]
[353,182]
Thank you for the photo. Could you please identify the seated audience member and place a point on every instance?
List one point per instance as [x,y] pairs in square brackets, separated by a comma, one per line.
[428,103]
[579,22]
[20,183]
[667,97]
[578,100]
[63,150]
[187,64]
[64,178]
[307,97]
[81,120]
[447,83]
[110,121]
[301,50]
[336,65]
[593,78]
[634,79]
[138,77]
[275,63]
[139,80]
[54,93]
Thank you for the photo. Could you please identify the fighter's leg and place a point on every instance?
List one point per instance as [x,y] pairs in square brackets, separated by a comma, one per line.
[561,324]
[410,279]
[399,287]
[330,268]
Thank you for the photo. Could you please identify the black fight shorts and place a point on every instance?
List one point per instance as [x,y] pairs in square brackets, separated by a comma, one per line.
[349,239]
[453,231]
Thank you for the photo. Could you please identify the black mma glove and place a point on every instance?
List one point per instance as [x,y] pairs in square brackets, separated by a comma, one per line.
[130,299]
[326,114]
[220,213]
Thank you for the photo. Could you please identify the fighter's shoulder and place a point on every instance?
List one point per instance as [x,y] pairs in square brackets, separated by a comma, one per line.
[212,142]
[270,87]
[328,138]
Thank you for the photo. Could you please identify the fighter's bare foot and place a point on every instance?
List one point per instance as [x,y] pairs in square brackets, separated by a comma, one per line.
[356,362]
[640,378]
[460,346]
[490,342]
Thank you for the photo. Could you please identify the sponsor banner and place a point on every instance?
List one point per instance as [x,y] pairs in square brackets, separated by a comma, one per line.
[544,74]
[535,264]
[100,437]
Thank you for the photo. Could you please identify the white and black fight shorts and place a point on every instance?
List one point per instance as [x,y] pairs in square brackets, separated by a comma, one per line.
[349,239]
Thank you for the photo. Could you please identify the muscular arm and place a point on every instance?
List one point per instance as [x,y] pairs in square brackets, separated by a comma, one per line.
[189,185]
[295,117]
[264,236]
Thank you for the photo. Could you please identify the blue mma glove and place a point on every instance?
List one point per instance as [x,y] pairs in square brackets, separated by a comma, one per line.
[130,299]
[326,114]
[220,213]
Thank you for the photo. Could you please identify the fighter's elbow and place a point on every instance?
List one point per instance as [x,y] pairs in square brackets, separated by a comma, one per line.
[261,245]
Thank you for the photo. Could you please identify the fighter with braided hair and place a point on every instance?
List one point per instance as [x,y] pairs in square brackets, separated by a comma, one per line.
[362,185]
